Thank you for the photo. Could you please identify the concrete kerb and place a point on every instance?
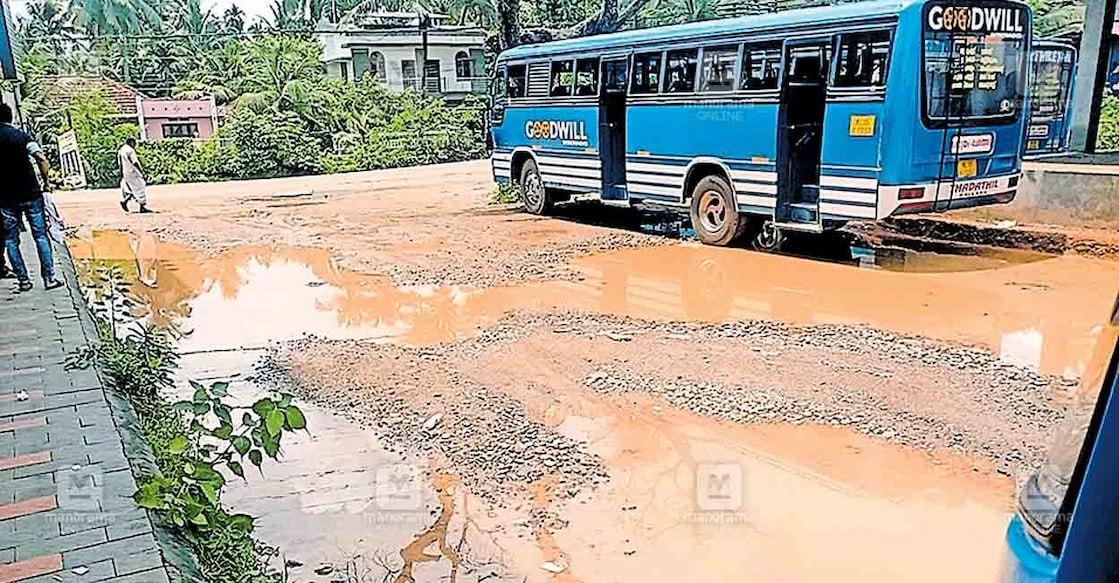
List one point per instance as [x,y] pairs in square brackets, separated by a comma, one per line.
[177,553]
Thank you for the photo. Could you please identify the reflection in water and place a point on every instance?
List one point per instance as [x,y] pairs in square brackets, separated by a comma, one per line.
[277,293]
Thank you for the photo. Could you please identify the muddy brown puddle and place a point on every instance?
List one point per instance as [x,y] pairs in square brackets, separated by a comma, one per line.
[688,499]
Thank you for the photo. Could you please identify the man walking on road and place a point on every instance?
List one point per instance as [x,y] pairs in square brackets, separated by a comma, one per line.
[22,196]
[133,186]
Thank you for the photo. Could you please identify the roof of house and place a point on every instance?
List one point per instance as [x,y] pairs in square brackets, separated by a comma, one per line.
[62,89]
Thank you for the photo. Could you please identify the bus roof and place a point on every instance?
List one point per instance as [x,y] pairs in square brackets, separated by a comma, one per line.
[855,11]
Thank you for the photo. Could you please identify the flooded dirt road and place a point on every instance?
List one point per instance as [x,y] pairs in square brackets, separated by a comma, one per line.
[581,403]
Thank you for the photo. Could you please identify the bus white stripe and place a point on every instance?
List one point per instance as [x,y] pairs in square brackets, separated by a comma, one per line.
[843,210]
[636,189]
[572,181]
[848,196]
[676,181]
[848,182]
[501,164]
[660,168]
[754,175]
[755,188]
[765,201]
[506,156]
[580,162]
[573,172]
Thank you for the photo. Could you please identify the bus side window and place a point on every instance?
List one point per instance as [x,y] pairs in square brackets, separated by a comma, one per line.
[646,73]
[718,68]
[563,77]
[586,77]
[515,82]
[680,74]
[863,59]
[614,76]
[761,66]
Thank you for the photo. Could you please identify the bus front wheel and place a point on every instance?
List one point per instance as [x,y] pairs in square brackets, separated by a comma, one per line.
[714,212]
[533,194]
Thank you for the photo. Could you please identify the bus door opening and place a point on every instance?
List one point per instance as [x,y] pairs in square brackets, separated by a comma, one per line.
[612,128]
[800,131]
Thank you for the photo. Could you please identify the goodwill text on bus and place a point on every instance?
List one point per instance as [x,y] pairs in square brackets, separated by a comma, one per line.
[975,19]
[556,130]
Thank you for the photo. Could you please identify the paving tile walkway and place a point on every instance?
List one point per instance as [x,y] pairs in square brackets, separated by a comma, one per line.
[66,512]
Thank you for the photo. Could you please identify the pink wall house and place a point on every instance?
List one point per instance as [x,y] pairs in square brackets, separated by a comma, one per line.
[176,118]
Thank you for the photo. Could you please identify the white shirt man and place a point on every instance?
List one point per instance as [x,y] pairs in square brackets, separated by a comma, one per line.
[133,186]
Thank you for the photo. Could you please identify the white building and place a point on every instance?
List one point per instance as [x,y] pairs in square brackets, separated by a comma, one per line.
[390,46]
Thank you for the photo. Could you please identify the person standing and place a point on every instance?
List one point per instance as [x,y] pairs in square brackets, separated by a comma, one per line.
[133,185]
[22,196]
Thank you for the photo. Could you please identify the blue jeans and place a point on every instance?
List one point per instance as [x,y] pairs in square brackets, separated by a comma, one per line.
[33,210]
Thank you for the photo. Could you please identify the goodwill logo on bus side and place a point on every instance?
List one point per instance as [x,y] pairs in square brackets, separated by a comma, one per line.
[568,132]
[976,19]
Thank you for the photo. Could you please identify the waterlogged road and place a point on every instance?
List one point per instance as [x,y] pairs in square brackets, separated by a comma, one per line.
[572,402]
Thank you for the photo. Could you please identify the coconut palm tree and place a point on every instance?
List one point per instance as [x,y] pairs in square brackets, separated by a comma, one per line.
[115,17]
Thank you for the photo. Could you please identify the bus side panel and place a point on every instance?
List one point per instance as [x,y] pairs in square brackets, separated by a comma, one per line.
[849,161]
[563,140]
[663,139]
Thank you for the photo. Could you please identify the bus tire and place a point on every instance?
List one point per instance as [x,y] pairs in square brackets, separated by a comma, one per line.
[768,237]
[533,194]
[714,212]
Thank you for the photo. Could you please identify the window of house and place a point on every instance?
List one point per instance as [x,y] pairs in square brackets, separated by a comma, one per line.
[586,77]
[863,59]
[516,81]
[679,74]
[646,73]
[718,68]
[408,72]
[562,79]
[361,62]
[464,66]
[178,128]
[377,65]
[761,66]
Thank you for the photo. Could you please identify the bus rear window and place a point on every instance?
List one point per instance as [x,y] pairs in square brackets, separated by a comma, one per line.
[1051,76]
[973,77]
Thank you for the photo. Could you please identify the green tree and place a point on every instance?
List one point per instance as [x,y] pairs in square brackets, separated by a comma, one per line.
[115,17]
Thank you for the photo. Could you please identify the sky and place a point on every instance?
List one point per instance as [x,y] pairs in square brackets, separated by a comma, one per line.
[252,8]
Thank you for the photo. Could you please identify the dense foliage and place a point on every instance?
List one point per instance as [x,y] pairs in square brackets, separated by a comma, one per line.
[196,442]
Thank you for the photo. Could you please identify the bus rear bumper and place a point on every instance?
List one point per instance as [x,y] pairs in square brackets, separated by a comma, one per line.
[1025,560]
[964,194]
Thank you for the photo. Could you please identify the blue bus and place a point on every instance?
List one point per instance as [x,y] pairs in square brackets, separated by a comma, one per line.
[1067,524]
[796,121]
[1052,70]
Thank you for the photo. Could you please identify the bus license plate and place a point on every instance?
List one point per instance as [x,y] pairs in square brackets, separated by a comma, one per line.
[967,168]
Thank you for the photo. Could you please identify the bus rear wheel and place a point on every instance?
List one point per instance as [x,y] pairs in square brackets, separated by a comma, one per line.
[714,212]
[533,194]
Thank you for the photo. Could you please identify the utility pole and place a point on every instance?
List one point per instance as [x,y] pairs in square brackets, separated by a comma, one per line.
[1091,74]
[425,23]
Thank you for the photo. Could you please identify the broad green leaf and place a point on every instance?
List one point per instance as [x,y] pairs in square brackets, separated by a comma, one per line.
[223,431]
[247,418]
[295,418]
[237,470]
[219,389]
[199,519]
[178,444]
[200,396]
[222,413]
[209,491]
[285,400]
[243,522]
[188,468]
[274,421]
[201,408]
[263,406]
[255,457]
[241,444]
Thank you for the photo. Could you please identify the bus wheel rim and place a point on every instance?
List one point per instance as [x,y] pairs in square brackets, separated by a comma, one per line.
[712,211]
[534,190]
